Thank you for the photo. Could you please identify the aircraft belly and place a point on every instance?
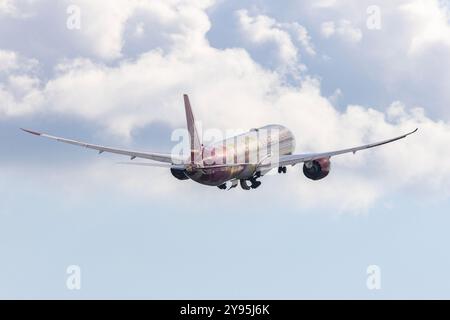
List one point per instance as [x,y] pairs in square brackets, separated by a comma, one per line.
[218,176]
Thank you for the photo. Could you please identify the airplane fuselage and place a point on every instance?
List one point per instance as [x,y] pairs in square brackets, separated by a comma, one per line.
[245,152]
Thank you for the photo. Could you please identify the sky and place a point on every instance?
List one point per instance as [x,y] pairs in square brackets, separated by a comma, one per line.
[336,73]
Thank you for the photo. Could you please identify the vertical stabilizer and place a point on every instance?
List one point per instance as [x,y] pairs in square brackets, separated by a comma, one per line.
[196,152]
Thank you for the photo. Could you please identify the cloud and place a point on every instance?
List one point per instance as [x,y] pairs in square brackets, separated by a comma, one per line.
[430,23]
[229,89]
[10,61]
[414,70]
[7,7]
[324,3]
[149,89]
[328,28]
[283,40]
[262,29]
[102,32]
[20,95]
[96,18]
[181,23]
[343,28]
[302,36]
[19,86]
[17,9]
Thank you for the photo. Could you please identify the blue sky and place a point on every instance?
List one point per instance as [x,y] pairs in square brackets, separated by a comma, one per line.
[139,233]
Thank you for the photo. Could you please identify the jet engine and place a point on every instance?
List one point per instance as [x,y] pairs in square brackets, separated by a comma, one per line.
[317,169]
[179,174]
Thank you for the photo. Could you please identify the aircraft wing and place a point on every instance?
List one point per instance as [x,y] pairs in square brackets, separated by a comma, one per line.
[161,157]
[298,158]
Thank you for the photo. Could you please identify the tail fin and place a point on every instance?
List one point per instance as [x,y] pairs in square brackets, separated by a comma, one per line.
[196,146]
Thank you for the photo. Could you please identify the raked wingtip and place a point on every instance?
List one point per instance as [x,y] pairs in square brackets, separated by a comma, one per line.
[31,131]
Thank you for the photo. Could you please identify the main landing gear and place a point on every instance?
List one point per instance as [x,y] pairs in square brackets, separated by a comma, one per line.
[282,169]
[243,182]
[228,185]
[253,183]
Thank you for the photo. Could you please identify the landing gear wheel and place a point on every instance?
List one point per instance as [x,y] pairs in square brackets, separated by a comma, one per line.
[234,184]
[244,185]
[255,183]
[223,186]
[282,169]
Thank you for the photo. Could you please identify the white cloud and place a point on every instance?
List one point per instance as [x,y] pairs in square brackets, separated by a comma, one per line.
[328,29]
[19,89]
[430,22]
[324,3]
[279,41]
[420,24]
[302,36]
[7,7]
[10,61]
[415,69]
[18,9]
[20,95]
[102,27]
[183,23]
[262,29]
[228,88]
[149,89]
[343,28]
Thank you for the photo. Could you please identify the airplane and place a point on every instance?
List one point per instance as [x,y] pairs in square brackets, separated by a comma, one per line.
[265,148]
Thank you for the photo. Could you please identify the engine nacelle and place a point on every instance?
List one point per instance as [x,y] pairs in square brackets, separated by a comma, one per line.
[317,169]
[179,174]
